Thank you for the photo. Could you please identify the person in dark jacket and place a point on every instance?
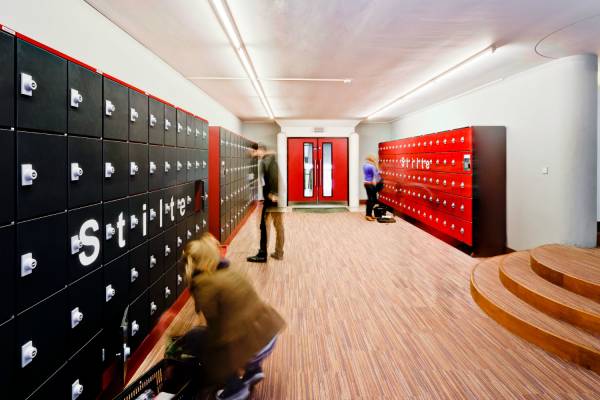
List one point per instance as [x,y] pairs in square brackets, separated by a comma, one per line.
[241,329]
[268,177]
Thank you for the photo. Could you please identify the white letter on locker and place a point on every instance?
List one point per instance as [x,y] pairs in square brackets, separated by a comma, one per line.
[89,240]
[120,226]
[172,204]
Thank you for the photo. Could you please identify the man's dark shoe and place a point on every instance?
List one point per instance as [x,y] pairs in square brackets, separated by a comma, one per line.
[259,258]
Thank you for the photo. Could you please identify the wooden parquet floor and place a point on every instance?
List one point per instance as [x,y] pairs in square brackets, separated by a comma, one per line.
[383,311]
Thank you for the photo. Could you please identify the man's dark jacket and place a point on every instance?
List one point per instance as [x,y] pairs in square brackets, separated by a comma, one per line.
[271,176]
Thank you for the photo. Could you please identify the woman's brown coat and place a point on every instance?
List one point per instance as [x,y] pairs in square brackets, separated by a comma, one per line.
[239,324]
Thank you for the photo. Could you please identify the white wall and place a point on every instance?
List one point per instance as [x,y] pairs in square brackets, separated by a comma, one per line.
[598,153]
[550,113]
[264,132]
[75,28]
[370,135]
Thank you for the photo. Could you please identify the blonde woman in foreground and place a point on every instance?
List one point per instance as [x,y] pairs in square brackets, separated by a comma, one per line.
[241,329]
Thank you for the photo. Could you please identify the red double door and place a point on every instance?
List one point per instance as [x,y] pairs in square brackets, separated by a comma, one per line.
[317,170]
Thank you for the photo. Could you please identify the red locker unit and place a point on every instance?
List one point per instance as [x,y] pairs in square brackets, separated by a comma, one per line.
[452,182]
[232,182]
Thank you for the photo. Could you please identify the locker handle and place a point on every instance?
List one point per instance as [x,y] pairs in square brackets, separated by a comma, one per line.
[28,353]
[76,98]
[109,170]
[152,214]
[133,168]
[76,389]
[167,292]
[153,308]
[152,120]
[110,293]
[152,168]
[28,264]
[133,221]
[152,262]
[134,274]
[76,172]
[76,317]
[76,244]
[109,108]
[110,231]
[135,328]
[28,85]
[28,174]
[167,124]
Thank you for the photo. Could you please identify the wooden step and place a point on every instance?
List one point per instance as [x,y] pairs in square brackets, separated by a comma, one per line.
[518,277]
[524,320]
[570,267]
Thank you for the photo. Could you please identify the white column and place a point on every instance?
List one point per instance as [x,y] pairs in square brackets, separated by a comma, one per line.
[353,170]
[282,161]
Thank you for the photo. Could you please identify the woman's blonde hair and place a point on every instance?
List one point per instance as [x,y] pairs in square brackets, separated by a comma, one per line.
[201,255]
[372,159]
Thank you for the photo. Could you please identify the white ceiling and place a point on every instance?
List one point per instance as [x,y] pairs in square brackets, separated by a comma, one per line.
[387,47]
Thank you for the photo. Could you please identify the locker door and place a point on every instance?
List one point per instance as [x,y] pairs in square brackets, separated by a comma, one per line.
[170,290]
[138,117]
[40,259]
[196,159]
[43,327]
[156,301]
[204,143]
[115,170]
[190,135]
[302,170]
[85,171]
[197,132]
[181,285]
[169,206]
[7,80]
[190,165]
[155,213]
[7,274]
[156,167]
[115,233]
[85,369]
[139,321]
[9,367]
[156,258]
[181,128]
[41,89]
[181,165]
[138,219]
[170,167]
[181,236]
[115,110]
[84,237]
[170,248]
[156,121]
[333,169]
[54,387]
[7,164]
[85,298]
[84,99]
[116,283]
[204,162]
[170,126]
[138,168]
[138,270]
[41,186]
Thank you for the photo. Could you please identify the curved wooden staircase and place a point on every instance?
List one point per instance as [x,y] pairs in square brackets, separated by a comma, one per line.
[549,296]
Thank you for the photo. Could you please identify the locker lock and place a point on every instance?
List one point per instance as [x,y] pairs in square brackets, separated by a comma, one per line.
[179,241]
[110,231]
[462,231]
[189,234]
[444,182]
[462,207]
[188,200]
[76,389]
[110,293]
[28,264]
[453,205]
[109,108]
[152,120]
[152,262]
[197,132]
[189,165]
[197,164]
[167,250]
[134,114]
[444,203]
[462,185]
[203,164]
[152,168]
[126,351]
[134,221]
[28,353]
[28,85]
[203,134]
[134,274]
[167,124]
[167,292]
[76,317]
[135,327]
[76,244]
[179,127]
[76,171]
[179,279]
[109,170]
[167,166]
[133,168]
[197,228]
[76,98]
[167,209]
[189,131]
[28,174]
[153,308]
[179,166]
[152,214]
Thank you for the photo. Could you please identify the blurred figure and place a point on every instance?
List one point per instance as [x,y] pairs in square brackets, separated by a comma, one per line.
[268,184]
[373,183]
[241,329]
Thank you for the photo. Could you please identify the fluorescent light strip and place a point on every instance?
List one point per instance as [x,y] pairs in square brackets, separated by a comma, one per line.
[224,15]
[233,78]
[487,51]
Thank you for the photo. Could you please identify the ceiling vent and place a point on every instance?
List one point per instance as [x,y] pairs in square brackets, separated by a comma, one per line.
[318,129]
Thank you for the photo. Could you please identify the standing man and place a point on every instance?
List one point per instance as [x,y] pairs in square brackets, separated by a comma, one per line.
[268,181]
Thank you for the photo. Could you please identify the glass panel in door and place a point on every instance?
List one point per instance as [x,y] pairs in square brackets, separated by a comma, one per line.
[327,170]
[308,174]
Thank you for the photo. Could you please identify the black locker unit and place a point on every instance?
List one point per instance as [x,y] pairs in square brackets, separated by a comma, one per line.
[41,341]
[7,273]
[7,80]
[156,122]
[85,171]
[138,270]
[181,128]
[84,98]
[170,126]
[41,179]
[9,367]
[85,302]
[138,317]
[41,259]
[138,168]
[115,232]
[155,213]
[156,257]
[138,116]
[41,89]
[156,172]
[169,197]
[138,219]
[182,160]
[7,164]
[115,170]
[84,236]
[170,167]
[115,110]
